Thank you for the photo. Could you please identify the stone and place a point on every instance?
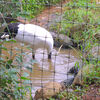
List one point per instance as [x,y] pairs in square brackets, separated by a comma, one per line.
[61,39]
[79,79]
[49,89]
[68,81]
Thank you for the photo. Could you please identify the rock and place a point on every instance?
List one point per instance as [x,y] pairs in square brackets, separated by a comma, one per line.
[68,81]
[73,70]
[61,39]
[49,89]
[72,74]
[79,79]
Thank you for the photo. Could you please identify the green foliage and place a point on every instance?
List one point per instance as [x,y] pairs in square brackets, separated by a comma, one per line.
[13,84]
[79,15]
[10,86]
[10,7]
[32,7]
[79,22]
[74,24]
[25,8]
[93,76]
[66,95]
[82,3]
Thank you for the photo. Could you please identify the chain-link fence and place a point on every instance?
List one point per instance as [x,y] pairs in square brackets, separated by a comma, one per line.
[49,49]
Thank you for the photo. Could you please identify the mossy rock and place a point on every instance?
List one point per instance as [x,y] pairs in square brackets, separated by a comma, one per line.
[50,89]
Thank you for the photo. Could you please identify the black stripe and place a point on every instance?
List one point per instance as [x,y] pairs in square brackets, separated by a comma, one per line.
[12,29]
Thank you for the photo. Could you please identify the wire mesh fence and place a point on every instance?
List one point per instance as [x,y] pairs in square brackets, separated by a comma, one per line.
[68,33]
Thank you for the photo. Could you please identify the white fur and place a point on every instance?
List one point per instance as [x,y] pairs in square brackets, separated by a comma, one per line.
[36,36]
[4,36]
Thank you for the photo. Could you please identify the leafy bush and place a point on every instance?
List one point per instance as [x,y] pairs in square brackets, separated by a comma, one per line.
[82,3]
[93,75]
[24,8]
[13,84]
[10,7]
[32,7]
[10,86]
[78,22]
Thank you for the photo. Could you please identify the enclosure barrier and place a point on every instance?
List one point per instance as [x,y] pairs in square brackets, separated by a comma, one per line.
[75,59]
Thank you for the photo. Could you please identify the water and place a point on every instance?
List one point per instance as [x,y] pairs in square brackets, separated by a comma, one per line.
[44,70]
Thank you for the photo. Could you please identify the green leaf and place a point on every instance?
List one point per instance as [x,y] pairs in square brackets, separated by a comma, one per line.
[24,78]
[9,61]
[12,41]
[4,48]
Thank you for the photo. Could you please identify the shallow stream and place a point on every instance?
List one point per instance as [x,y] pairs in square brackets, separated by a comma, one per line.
[44,70]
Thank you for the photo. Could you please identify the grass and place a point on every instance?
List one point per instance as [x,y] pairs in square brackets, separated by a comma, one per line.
[72,20]
[81,21]
[25,8]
